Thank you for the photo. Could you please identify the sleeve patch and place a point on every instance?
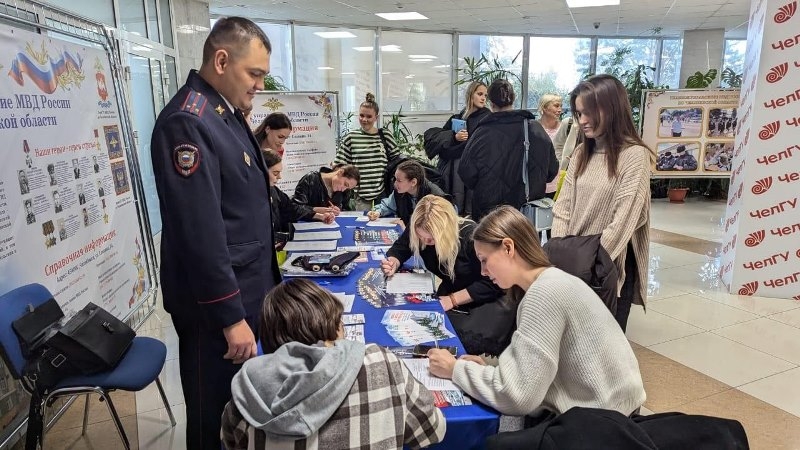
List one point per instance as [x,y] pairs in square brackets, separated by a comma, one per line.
[186,158]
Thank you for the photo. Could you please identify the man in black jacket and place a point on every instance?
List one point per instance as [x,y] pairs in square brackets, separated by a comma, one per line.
[493,159]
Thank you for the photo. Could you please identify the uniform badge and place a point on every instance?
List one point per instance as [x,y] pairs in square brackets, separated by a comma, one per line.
[247,159]
[186,158]
[220,110]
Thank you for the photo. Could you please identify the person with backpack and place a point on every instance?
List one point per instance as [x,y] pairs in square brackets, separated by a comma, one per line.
[410,185]
[493,158]
[369,149]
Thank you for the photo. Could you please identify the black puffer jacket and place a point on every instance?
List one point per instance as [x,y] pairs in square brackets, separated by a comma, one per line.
[285,212]
[441,142]
[311,191]
[492,161]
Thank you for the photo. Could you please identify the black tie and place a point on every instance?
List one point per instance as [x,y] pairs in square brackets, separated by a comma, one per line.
[240,117]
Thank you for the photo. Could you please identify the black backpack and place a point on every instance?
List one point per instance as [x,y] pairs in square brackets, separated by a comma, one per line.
[432,174]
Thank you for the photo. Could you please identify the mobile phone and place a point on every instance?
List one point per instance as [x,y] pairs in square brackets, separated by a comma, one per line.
[422,349]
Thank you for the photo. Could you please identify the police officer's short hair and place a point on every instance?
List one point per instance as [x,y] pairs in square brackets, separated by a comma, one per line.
[234,35]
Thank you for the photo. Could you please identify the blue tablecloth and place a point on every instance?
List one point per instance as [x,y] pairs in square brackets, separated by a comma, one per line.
[467,426]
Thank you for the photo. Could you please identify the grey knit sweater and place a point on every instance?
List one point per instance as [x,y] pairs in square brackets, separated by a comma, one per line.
[567,351]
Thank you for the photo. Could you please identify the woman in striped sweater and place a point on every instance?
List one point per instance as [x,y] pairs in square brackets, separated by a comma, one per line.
[369,149]
[607,187]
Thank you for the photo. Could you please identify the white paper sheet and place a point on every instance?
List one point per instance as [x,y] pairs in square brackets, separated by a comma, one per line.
[351,213]
[362,219]
[346,299]
[353,319]
[385,222]
[354,333]
[420,368]
[300,246]
[317,235]
[302,226]
[410,283]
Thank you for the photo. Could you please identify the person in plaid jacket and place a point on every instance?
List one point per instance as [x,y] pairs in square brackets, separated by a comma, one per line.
[314,390]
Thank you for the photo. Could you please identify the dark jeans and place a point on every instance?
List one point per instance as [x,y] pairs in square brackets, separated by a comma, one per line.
[628,289]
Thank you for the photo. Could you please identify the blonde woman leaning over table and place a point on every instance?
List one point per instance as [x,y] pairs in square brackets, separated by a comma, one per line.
[442,241]
[567,349]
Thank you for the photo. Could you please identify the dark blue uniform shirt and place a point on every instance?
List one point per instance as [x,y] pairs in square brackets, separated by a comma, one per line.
[217,257]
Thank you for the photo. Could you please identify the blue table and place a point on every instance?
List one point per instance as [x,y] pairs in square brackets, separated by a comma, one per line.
[467,426]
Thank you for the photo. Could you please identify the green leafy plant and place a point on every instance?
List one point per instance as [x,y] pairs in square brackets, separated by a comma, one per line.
[485,70]
[344,126]
[407,142]
[274,83]
[701,80]
[731,78]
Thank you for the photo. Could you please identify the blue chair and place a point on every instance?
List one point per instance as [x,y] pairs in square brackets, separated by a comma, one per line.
[140,366]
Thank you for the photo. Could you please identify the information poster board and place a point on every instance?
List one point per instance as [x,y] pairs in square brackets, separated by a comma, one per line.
[315,124]
[691,130]
[68,217]
[761,250]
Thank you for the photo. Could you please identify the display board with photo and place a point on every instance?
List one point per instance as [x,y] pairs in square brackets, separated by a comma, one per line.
[692,131]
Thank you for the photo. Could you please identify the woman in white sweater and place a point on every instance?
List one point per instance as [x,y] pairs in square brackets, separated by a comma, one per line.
[567,350]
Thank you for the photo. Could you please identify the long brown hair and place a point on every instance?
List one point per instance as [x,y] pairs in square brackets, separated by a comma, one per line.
[506,222]
[606,100]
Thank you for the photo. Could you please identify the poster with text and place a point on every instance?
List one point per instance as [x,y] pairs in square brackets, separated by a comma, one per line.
[68,219]
[312,141]
[692,131]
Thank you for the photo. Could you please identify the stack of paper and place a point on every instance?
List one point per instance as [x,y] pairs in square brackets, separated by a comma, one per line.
[310,246]
[347,301]
[415,327]
[410,283]
[317,235]
[304,226]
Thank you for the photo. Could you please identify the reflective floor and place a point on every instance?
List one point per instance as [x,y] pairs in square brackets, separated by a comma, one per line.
[700,349]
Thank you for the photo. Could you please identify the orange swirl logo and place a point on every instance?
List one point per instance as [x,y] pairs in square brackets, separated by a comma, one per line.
[762,186]
[796,297]
[753,239]
[769,130]
[749,288]
[777,73]
[785,12]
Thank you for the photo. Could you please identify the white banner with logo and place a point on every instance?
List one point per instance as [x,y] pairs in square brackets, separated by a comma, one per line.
[691,130]
[315,124]
[761,254]
[68,219]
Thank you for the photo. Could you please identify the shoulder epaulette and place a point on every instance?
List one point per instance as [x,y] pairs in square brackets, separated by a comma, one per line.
[195,103]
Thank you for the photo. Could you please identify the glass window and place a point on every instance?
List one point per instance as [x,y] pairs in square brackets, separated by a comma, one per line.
[152,21]
[415,71]
[280,61]
[171,77]
[670,74]
[166,23]
[733,58]
[336,59]
[131,14]
[502,53]
[99,10]
[556,66]
[616,56]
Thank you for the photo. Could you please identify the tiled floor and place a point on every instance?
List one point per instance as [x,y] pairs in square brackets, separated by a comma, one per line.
[700,349]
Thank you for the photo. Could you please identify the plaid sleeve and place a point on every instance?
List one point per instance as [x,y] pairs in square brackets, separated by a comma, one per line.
[233,432]
[425,423]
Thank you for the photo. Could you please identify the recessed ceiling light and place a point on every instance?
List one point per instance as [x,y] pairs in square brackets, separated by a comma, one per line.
[410,76]
[348,73]
[422,56]
[362,49]
[324,68]
[421,60]
[391,48]
[589,3]
[442,66]
[335,34]
[402,16]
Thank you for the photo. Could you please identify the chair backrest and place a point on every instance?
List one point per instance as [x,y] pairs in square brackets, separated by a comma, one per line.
[13,305]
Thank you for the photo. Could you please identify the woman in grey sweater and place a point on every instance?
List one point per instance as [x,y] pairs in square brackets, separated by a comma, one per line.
[567,350]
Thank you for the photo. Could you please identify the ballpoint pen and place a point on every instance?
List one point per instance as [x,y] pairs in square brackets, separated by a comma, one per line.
[436,342]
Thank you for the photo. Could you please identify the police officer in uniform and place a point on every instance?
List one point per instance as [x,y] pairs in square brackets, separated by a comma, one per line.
[217,258]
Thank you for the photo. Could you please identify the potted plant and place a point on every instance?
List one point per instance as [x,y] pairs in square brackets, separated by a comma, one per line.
[677,189]
[701,80]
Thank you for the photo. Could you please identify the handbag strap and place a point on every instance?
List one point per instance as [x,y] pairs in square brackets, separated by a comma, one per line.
[527,145]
